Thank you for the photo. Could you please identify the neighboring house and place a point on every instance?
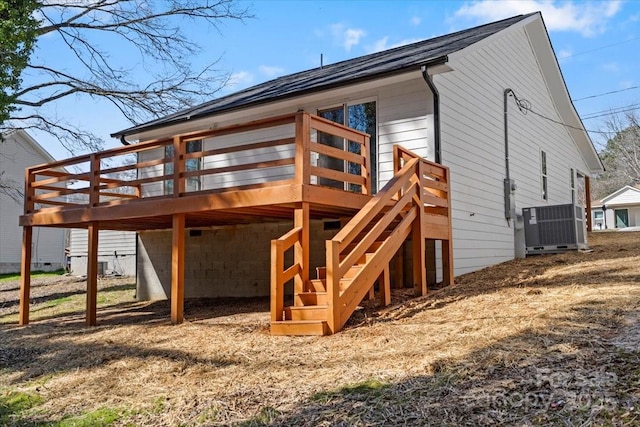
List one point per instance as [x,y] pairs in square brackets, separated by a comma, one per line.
[620,209]
[18,151]
[116,252]
[274,163]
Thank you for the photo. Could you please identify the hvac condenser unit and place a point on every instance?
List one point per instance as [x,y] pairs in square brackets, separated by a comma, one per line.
[553,229]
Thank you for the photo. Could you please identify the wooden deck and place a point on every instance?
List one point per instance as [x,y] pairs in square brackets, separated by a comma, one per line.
[281,168]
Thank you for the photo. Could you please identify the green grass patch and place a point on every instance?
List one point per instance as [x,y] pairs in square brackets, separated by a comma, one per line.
[8,277]
[103,417]
[13,405]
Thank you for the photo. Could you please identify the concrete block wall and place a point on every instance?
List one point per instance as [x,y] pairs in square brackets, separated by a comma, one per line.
[231,261]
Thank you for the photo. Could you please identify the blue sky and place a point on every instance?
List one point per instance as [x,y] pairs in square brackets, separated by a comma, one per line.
[597,43]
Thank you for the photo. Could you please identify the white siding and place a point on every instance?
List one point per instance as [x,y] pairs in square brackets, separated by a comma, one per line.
[404,115]
[116,248]
[16,154]
[473,146]
[627,197]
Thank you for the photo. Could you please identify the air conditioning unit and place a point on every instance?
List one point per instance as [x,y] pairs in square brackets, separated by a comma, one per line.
[554,229]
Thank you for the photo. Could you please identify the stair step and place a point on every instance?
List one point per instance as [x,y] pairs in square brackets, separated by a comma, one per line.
[321,272]
[299,327]
[320,285]
[313,298]
[307,312]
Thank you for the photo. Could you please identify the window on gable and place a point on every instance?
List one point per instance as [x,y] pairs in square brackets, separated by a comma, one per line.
[543,170]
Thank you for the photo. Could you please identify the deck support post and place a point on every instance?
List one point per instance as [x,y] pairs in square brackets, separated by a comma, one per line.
[301,250]
[587,198]
[419,267]
[418,238]
[430,263]
[92,274]
[385,286]
[398,260]
[25,275]
[177,268]
[447,263]
[447,245]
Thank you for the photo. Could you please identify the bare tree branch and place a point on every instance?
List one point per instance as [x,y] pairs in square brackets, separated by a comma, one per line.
[157,81]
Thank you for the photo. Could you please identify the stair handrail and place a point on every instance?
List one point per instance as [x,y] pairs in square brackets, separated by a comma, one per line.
[406,183]
[279,274]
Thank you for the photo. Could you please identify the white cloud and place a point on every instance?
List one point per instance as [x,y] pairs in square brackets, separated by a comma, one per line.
[612,67]
[586,18]
[347,37]
[270,71]
[564,54]
[415,20]
[381,44]
[240,79]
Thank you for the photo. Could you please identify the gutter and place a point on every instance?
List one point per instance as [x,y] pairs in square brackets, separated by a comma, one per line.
[436,106]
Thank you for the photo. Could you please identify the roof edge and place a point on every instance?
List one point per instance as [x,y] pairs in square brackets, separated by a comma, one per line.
[418,66]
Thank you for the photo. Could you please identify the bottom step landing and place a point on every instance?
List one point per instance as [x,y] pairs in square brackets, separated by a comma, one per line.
[300,327]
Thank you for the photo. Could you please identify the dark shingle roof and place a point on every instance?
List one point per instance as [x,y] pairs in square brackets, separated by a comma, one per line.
[375,65]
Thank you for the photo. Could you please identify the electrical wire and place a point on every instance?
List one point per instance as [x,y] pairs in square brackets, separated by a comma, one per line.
[605,93]
[617,110]
[599,48]
[524,106]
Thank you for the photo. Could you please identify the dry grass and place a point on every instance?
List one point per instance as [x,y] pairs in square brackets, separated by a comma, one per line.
[550,340]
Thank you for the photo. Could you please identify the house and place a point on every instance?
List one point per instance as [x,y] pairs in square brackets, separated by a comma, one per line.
[19,150]
[116,252]
[401,167]
[620,209]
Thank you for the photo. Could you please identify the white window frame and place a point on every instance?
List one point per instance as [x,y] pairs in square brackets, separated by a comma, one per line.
[350,102]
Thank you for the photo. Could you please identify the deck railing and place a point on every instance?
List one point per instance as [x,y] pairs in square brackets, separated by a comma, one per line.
[292,149]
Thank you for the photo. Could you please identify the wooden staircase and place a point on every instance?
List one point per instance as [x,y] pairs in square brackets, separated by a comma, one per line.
[360,253]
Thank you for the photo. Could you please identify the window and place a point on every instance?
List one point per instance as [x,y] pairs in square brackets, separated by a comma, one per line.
[543,169]
[361,117]
[193,182]
[598,214]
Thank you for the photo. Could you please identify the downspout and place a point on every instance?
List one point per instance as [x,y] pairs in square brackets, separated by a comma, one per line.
[507,92]
[436,114]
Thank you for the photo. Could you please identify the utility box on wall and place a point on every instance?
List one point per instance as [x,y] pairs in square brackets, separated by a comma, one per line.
[553,229]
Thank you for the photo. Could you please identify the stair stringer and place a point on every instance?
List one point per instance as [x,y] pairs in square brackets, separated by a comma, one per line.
[360,285]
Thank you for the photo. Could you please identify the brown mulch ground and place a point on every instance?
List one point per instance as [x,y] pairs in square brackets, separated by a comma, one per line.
[550,340]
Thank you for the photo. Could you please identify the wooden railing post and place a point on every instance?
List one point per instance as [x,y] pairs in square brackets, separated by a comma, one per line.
[447,245]
[303,153]
[301,250]
[178,167]
[365,171]
[333,286]
[94,180]
[277,291]
[418,236]
[29,192]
